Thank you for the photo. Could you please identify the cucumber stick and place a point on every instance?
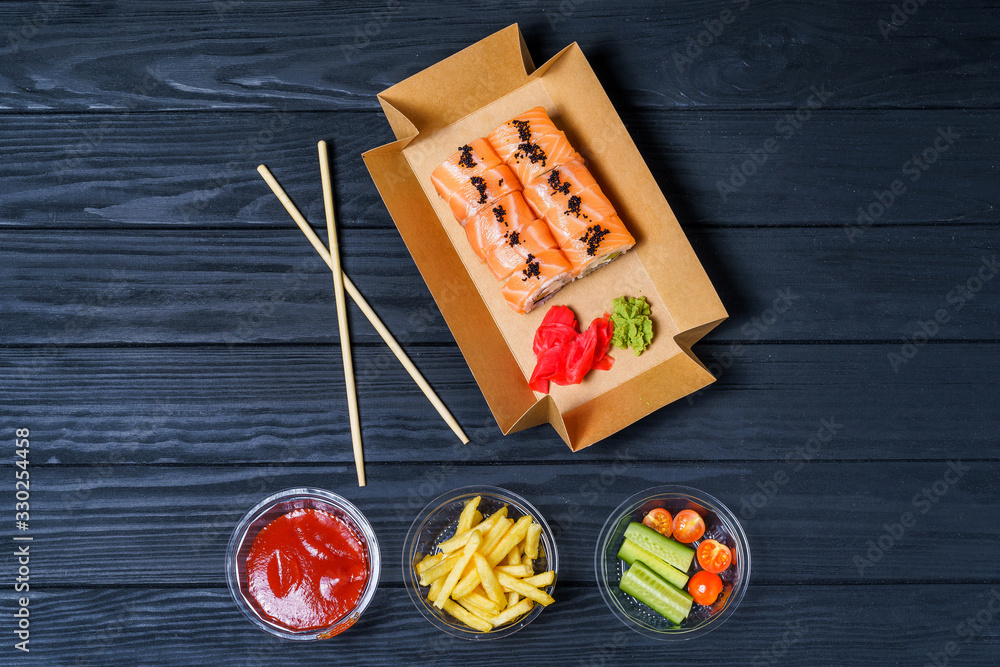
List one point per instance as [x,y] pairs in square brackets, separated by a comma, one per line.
[645,586]
[664,548]
[632,552]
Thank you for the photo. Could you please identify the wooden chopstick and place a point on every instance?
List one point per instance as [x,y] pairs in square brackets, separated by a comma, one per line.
[359,300]
[345,334]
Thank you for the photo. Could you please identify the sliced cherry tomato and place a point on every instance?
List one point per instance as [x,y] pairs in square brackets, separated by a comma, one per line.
[688,526]
[659,520]
[705,587]
[713,556]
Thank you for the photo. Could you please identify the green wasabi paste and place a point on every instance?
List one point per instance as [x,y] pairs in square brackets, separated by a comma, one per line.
[632,326]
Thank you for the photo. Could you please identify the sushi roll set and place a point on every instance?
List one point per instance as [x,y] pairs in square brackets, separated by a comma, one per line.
[531,210]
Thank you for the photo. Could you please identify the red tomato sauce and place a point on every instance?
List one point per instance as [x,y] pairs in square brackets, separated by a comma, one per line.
[306,569]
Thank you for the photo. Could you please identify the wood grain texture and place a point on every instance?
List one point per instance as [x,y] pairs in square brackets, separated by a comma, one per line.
[269,286]
[849,625]
[255,405]
[305,55]
[170,338]
[128,170]
[102,525]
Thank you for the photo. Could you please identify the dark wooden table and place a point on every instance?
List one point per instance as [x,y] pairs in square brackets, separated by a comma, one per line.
[170,341]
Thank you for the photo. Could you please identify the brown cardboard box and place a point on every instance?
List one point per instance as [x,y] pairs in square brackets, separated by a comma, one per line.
[464,97]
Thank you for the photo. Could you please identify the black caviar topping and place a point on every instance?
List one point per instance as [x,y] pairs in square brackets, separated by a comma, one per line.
[523,129]
[527,148]
[466,159]
[500,183]
[531,269]
[513,238]
[480,184]
[501,214]
[557,183]
[532,151]
[595,234]
[574,207]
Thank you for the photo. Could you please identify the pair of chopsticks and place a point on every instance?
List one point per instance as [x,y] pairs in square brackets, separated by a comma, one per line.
[341,283]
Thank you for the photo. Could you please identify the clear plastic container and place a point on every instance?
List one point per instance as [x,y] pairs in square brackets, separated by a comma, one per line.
[271,508]
[437,522]
[722,525]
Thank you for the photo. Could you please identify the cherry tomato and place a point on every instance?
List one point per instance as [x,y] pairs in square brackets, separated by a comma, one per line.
[688,526]
[659,520]
[713,556]
[705,587]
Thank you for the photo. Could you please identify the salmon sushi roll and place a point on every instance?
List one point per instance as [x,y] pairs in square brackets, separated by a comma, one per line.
[532,145]
[509,254]
[470,160]
[489,226]
[600,244]
[554,189]
[539,277]
[481,190]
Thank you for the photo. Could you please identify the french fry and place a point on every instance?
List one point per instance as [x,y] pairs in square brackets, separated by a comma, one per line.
[468,583]
[530,562]
[531,541]
[477,611]
[513,536]
[519,571]
[514,557]
[497,533]
[435,589]
[511,613]
[509,583]
[428,562]
[479,599]
[459,540]
[512,599]
[466,616]
[441,569]
[477,518]
[465,518]
[449,584]
[489,580]
[539,580]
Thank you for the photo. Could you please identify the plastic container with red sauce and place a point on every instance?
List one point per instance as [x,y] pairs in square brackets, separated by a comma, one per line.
[303,564]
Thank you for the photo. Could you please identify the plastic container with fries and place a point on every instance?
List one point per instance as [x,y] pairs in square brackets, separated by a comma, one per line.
[480,563]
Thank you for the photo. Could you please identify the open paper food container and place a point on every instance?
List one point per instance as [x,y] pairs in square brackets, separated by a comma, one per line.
[465,97]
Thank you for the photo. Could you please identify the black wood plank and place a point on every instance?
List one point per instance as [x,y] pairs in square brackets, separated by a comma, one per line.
[286,405]
[104,525]
[265,286]
[303,55]
[808,625]
[130,169]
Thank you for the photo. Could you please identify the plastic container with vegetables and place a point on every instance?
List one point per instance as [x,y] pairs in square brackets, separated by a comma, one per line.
[672,562]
